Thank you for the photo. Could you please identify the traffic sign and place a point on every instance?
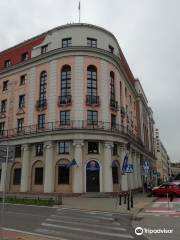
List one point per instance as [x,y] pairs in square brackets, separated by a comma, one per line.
[146,164]
[129,168]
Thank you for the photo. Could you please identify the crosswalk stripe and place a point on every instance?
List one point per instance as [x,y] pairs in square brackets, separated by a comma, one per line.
[87,231]
[84,216]
[86,224]
[85,211]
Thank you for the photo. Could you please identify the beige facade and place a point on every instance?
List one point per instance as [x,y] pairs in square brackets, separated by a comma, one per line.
[80,101]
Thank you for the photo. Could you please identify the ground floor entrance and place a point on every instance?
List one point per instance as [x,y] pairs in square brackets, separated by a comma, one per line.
[92,177]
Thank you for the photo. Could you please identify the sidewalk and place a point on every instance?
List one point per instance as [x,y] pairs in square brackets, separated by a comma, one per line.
[107,204]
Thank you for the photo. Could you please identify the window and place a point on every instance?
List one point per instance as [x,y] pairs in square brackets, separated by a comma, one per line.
[39,149]
[23,80]
[44,49]
[18,151]
[91,80]
[91,42]
[64,147]
[93,147]
[65,117]
[41,121]
[115,149]
[43,84]
[2,127]
[112,86]
[21,101]
[115,174]
[92,117]
[66,42]
[63,174]
[3,105]
[5,85]
[66,81]
[17,176]
[20,124]
[111,49]
[7,63]
[24,56]
[38,176]
[113,120]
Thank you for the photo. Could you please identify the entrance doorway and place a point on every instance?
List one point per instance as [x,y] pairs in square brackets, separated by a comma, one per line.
[92,177]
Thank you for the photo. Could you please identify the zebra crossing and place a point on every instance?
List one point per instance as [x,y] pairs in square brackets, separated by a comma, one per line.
[76,224]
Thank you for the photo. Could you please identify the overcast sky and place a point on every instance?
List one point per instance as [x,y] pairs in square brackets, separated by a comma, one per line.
[148,32]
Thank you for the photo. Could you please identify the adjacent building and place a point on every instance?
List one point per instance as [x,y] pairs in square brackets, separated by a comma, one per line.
[71,105]
[163,160]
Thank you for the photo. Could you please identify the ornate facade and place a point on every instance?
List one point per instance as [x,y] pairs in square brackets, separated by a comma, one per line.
[70,104]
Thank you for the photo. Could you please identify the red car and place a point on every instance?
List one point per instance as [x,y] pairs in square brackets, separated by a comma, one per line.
[167,188]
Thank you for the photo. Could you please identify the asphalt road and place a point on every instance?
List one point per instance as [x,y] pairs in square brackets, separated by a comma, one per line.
[69,224]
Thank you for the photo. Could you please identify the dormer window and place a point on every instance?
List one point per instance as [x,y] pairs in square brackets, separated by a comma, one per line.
[24,56]
[44,49]
[7,63]
[91,42]
[66,42]
[111,49]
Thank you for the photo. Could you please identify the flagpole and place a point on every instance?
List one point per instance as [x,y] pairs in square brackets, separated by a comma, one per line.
[79,7]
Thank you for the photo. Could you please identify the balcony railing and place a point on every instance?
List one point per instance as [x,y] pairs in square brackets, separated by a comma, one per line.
[41,104]
[92,100]
[64,100]
[113,105]
[59,126]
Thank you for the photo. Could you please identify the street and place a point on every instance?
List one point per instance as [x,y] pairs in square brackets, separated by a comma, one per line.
[160,215]
[64,223]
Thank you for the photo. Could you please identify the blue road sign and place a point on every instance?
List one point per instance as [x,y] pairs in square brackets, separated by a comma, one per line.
[146,164]
[129,168]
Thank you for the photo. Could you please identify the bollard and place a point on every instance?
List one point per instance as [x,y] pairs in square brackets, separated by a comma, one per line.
[120,199]
[131,201]
[128,202]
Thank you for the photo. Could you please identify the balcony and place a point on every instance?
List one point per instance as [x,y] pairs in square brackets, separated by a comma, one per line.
[113,105]
[41,104]
[92,100]
[64,100]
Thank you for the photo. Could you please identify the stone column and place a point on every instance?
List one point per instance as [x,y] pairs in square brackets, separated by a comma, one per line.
[107,167]
[124,177]
[25,168]
[3,168]
[49,168]
[78,180]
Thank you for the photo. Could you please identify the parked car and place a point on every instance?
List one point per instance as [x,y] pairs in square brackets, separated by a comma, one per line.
[172,189]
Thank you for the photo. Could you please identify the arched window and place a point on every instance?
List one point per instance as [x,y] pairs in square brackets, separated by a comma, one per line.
[66,81]
[91,81]
[43,84]
[112,86]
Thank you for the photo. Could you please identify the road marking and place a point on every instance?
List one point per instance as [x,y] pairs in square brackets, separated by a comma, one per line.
[92,217]
[33,234]
[85,210]
[87,231]
[86,224]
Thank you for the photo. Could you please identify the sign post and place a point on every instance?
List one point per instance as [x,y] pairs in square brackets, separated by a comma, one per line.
[7,153]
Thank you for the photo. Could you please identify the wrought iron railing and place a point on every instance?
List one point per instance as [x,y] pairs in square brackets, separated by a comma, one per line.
[64,100]
[92,100]
[58,126]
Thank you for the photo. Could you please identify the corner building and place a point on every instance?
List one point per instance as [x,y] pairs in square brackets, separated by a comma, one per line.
[69,94]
